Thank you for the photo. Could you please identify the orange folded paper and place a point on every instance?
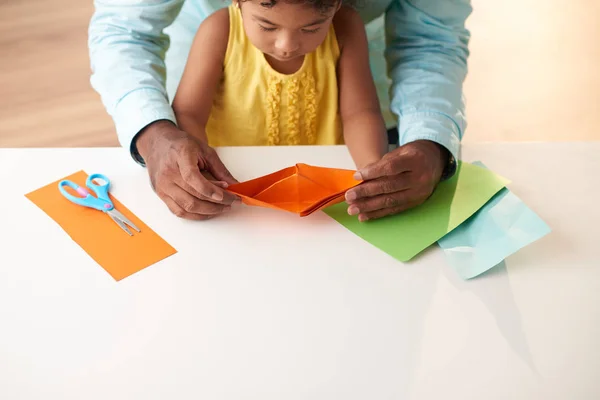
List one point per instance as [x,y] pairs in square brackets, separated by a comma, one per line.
[301,189]
[119,254]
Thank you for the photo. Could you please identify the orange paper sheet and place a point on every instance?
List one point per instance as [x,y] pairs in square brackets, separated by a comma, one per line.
[301,189]
[98,235]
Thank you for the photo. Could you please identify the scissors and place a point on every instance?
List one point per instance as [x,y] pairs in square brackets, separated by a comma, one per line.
[101,202]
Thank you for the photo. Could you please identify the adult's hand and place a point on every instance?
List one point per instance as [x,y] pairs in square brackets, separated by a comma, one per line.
[402,179]
[184,172]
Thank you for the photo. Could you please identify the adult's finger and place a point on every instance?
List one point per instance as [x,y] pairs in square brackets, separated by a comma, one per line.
[190,173]
[389,200]
[209,177]
[390,164]
[180,212]
[384,212]
[194,205]
[379,186]
[228,197]
[218,169]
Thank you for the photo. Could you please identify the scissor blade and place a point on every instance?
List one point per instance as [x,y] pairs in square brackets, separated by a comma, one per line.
[123,218]
[121,224]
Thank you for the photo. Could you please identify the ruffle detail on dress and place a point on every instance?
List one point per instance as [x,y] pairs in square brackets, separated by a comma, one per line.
[293,136]
[310,111]
[273,111]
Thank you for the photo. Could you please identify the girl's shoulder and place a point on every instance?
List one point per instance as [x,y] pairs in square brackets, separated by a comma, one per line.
[216,25]
[216,33]
[347,22]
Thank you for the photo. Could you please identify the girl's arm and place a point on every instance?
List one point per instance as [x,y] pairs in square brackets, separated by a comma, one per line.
[202,73]
[363,124]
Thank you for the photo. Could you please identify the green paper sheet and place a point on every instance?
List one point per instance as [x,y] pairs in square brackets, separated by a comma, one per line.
[405,235]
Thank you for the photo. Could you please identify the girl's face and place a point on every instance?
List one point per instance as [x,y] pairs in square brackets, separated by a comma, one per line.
[285,31]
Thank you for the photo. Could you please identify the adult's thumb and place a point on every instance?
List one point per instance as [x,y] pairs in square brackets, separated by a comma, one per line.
[219,171]
[370,171]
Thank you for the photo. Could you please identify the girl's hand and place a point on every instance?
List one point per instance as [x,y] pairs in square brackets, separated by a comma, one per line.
[185,173]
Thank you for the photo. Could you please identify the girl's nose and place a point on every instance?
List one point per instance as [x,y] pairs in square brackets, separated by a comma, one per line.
[286,44]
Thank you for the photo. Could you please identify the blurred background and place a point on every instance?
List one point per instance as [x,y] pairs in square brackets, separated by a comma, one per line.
[534,73]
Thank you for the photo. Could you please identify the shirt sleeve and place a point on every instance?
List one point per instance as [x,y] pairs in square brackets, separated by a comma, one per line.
[127,47]
[426,53]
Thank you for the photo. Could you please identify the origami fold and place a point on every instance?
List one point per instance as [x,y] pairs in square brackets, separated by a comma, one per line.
[301,189]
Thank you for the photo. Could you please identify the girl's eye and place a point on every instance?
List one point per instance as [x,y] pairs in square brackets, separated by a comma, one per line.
[264,28]
[311,30]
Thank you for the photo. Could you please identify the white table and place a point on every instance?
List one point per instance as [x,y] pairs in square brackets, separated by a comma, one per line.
[261,304]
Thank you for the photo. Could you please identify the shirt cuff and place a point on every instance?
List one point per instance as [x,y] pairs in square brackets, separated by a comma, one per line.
[137,110]
[435,127]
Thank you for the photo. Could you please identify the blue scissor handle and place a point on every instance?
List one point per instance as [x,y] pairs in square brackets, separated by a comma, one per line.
[100,190]
[102,202]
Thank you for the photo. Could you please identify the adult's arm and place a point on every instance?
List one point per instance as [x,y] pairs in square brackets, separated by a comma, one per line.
[127,47]
[426,52]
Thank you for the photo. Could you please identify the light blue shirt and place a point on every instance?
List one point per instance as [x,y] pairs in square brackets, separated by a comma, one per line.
[138,50]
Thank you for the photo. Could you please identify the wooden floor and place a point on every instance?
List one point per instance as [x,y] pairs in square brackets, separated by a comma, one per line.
[533,75]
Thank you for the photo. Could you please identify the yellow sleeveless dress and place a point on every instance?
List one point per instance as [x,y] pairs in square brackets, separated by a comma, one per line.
[257,106]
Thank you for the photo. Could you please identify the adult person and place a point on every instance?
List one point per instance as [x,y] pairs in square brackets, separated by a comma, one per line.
[138,50]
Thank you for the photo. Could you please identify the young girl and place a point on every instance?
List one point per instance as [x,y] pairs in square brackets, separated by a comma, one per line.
[282,72]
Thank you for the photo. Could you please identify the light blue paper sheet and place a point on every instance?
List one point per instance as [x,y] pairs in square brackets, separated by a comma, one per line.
[500,228]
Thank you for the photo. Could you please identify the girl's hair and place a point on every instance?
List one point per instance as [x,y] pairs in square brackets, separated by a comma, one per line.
[322,5]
